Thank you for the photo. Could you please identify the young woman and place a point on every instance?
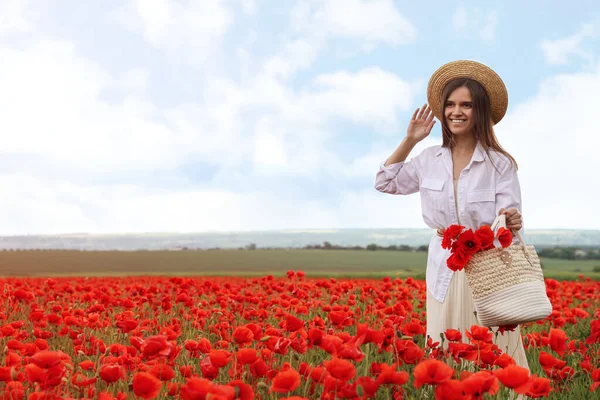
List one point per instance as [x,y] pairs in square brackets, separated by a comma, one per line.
[469,179]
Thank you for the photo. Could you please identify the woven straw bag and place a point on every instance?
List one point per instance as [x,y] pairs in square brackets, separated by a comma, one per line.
[508,284]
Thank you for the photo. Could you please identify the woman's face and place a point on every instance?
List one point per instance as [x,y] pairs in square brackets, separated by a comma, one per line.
[458,111]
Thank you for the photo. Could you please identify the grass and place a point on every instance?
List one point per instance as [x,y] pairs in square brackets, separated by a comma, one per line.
[334,263]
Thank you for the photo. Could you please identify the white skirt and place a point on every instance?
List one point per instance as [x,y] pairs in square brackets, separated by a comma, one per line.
[457,312]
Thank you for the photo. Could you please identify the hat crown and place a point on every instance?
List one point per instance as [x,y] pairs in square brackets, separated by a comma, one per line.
[484,75]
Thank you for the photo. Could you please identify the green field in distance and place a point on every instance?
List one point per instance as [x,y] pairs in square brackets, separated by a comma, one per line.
[322,263]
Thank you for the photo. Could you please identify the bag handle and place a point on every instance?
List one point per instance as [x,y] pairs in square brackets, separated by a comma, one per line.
[501,221]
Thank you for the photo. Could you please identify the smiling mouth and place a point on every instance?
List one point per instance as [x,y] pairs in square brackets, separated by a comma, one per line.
[458,121]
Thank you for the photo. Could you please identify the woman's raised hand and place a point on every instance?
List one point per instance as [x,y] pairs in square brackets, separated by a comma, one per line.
[421,124]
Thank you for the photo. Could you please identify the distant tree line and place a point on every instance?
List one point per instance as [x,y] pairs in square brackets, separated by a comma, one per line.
[565,253]
[329,246]
[570,253]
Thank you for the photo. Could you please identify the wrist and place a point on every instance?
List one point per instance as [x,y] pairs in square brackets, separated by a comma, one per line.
[409,141]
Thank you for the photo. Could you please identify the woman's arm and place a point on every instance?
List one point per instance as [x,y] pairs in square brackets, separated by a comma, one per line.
[402,151]
[508,199]
[396,176]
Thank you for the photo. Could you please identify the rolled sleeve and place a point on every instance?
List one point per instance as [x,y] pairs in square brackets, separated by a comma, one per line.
[397,178]
[508,193]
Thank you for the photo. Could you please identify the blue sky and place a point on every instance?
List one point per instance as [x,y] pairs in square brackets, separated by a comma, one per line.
[221,115]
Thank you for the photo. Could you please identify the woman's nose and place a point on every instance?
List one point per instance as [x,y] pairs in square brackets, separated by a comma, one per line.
[456,110]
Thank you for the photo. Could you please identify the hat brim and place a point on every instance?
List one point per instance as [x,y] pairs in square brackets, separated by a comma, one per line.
[490,80]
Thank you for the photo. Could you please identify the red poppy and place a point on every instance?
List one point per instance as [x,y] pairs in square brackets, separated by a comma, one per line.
[469,242]
[204,346]
[209,371]
[243,335]
[259,368]
[458,259]
[558,340]
[390,376]
[162,371]
[219,358]
[409,351]
[547,361]
[504,360]
[450,234]
[413,328]
[453,335]
[146,386]
[110,373]
[540,387]
[242,389]
[285,381]
[198,388]
[340,369]
[292,323]
[87,365]
[480,383]
[449,390]
[155,347]
[47,359]
[505,237]
[7,374]
[246,355]
[431,372]
[486,237]
[514,377]
[479,334]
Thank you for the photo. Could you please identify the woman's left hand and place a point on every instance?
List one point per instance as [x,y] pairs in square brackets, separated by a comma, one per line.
[513,218]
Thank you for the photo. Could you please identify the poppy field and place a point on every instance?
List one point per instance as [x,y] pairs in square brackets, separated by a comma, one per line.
[292,337]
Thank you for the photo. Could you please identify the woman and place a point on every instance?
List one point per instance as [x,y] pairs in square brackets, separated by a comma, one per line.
[468,180]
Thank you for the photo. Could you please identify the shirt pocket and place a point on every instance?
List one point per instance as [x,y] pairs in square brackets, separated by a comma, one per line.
[433,188]
[433,201]
[481,205]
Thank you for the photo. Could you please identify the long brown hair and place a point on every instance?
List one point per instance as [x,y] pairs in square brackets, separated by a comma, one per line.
[483,127]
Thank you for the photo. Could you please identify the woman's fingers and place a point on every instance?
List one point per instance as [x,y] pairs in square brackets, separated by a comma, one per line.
[422,111]
[430,125]
[513,218]
[414,117]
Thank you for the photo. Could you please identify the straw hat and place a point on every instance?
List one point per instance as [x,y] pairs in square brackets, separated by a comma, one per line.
[491,82]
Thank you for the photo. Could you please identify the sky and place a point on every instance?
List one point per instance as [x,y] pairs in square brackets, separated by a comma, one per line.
[241,115]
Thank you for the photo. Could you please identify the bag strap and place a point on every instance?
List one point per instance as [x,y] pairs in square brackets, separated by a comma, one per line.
[501,221]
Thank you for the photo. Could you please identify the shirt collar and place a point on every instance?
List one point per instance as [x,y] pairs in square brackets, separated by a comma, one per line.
[478,154]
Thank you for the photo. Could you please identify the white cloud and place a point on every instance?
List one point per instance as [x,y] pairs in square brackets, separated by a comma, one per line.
[57,114]
[189,30]
[249,6]
[40,207]
[558,51]
[488,32]
[269,148]
[366,166]
[296,55]
[459,19]
[469,23]
[19,16]
[271,122]
[366,21]
[371,96]
[135,79]
[555,143]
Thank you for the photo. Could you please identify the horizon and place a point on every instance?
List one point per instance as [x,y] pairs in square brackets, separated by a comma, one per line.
[256,116]
[290,230]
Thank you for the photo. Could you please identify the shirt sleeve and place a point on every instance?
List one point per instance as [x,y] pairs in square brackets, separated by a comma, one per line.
[508,193]
[398,178]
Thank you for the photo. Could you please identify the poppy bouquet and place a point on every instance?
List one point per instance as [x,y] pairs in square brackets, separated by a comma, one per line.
[463,244]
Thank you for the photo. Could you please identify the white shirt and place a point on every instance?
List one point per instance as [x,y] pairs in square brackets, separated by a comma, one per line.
[482,191]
